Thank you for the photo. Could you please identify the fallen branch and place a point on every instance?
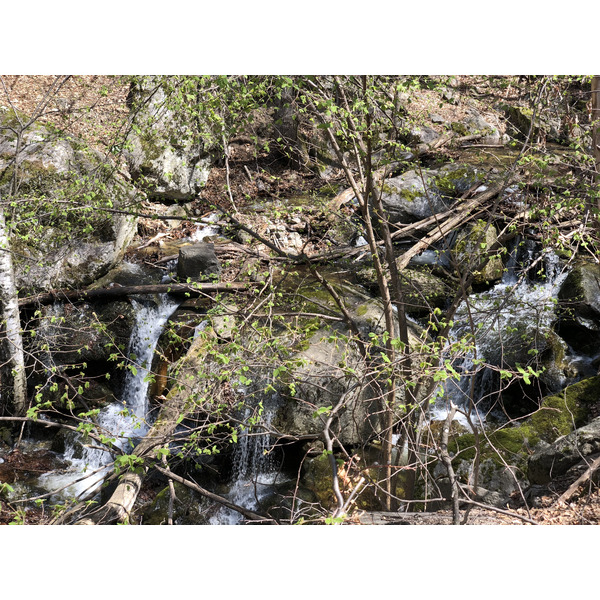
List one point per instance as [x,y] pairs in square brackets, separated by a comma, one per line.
[462,214]
[566,496]
[216,498]
[196,289]
[445,456]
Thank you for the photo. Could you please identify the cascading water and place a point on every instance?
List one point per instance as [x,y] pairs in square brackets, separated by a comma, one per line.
[516,313]
[254,471]
[122,421]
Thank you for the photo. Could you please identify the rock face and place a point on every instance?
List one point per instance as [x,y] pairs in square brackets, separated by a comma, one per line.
[59,247]
[471,248]
[416,195]
[557,458]
[197,262]
[166,155]
[580,308]
[85,333]
[321,383]
[581,292]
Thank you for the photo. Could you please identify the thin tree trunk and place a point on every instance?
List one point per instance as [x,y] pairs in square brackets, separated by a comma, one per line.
[596,122]
[11,324]
[596,137]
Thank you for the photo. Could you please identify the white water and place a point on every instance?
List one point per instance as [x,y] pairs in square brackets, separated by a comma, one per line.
[514,302]
[206,231]
[254,472]
[122,421]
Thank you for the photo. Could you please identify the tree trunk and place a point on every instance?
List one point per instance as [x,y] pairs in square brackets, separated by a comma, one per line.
[12,344]
[596,138]
[286,127]
[596,122]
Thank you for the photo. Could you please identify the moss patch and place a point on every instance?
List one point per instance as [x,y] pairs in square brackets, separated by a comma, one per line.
[568,410]
[559,415]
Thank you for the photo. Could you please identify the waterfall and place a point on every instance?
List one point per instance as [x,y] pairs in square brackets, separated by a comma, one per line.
[125,420]
[517,311]
[254,470]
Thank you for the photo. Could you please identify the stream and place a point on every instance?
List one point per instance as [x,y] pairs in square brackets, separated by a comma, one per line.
[125,421]
[523,305]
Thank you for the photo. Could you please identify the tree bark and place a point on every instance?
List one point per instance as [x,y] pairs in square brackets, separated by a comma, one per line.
[12,344]
[596,139]
[596,122]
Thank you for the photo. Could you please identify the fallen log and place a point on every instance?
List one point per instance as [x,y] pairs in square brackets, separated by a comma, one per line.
[195,289]
[462,214]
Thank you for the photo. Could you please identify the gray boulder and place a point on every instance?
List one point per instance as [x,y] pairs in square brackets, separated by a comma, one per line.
[62,248]
[580,294]
[472,247]
[321,382]
[331,368]
[579,298]
[477,124]
[416,195]
[556,459]
[197,262]
[411,197]
[166,154]
[422,290]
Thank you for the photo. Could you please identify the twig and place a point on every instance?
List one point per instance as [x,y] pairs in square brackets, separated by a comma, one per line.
[448,464]
[594,466]
[194,486]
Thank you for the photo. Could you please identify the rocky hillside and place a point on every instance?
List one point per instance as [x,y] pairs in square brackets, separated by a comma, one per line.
[487,187]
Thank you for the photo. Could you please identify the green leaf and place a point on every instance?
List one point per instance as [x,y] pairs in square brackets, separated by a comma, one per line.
[322,410]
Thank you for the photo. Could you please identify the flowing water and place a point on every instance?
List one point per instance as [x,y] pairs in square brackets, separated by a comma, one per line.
[125,421]
[519,311]
[254,471]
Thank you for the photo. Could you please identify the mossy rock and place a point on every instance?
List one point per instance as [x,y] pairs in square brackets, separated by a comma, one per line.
[522,119]
[455,179]
[459,128]
[317,478]
[558,416]
[186,508]
[422,290]
[471,249]
[565,411]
